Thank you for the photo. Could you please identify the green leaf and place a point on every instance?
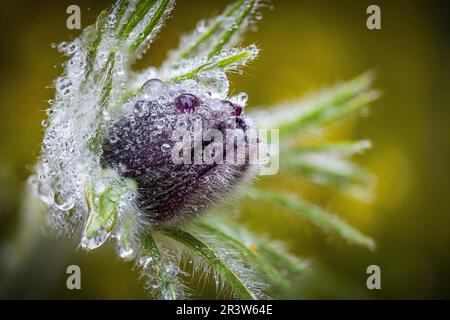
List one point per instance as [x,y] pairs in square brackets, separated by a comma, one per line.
[103,215]
[260,253]
[329,105]
[122,8]
[107,81]
[154,268]
[341,149]
[219,23]
[227,62]
[219,265]
[332,171]
[347,108]
[318,216]
[154,21]
[226,36]
[92,51]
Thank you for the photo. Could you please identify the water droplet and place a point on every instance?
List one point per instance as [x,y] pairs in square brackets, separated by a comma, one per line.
[181,124]
[125,253]
[113,138]
[156,285]
[141,107]
[63,201]
[45,192]
[216,81]
[165,147]
[160,124]
[96,240]
[153,87]
[145,262]
[242,98]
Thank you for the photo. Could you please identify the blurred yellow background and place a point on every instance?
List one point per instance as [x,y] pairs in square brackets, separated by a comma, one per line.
[305,45]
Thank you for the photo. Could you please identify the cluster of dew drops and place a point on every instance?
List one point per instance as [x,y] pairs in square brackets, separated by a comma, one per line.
[211,88]
[66,161]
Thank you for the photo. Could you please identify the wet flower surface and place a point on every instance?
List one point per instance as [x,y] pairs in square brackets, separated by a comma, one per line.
[139,145]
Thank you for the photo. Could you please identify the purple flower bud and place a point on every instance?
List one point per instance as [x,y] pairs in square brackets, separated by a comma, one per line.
[139,146]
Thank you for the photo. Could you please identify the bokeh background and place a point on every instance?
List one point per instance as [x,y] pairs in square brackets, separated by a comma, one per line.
[305,45]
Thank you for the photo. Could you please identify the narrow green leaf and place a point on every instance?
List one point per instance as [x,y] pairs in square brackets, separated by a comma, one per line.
[154,21]
[319,166]
[208,34]
[123,5]
[321,218]
[331,171]
[349,107]
[226,63]
[107,80]
[217,263]
[329,110]
[277,256]
[106,89]
[228,33]
[257,250]
[92,52]
[150,252]
[329,105]
[257,260]
[341,148]
[97,139]
[139,13]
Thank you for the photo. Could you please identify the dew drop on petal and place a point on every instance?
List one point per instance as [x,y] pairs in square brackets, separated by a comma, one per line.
[160,124]
[96,240]
[186,103]
[113,138]
[165,147]
[181,124]
[216,81]
[153,87]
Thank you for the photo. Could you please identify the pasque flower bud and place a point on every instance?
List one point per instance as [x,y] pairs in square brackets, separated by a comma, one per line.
[139,146]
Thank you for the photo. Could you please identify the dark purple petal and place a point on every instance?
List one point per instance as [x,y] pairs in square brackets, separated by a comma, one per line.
[141,149]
